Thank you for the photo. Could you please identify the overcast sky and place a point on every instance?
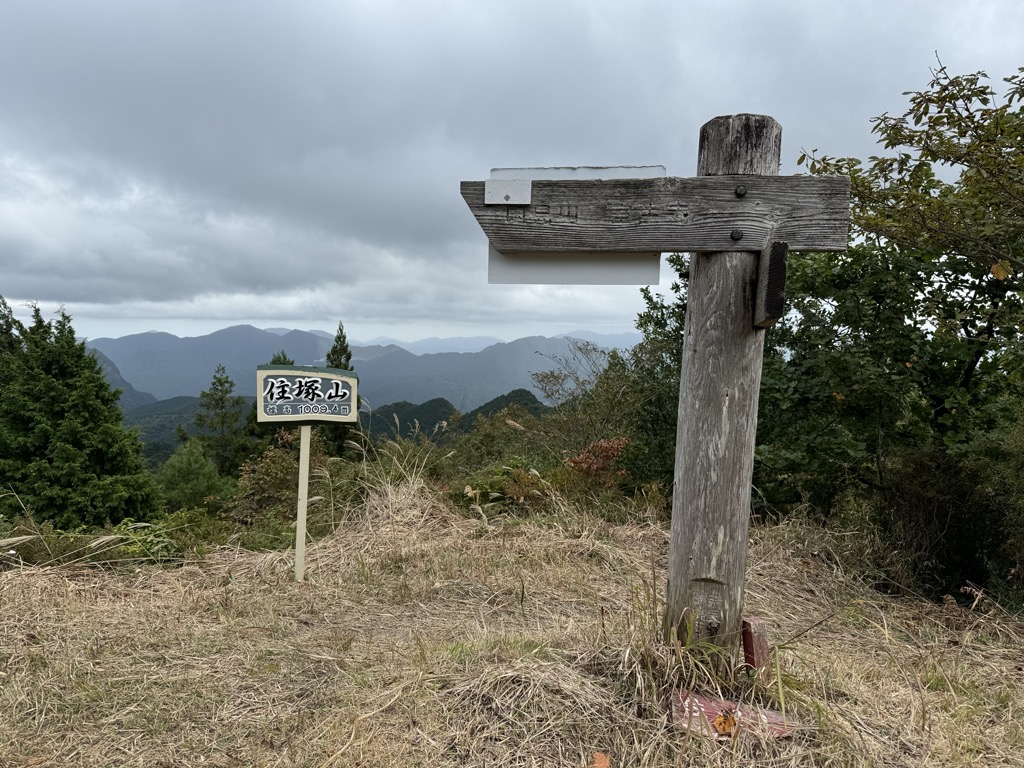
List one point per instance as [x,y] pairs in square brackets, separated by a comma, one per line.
[187,165]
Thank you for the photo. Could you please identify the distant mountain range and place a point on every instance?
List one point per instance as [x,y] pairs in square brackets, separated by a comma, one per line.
[466,371]
[131,398]
[434,345]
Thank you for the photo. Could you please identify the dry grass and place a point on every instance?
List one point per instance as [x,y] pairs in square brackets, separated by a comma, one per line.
[424,638]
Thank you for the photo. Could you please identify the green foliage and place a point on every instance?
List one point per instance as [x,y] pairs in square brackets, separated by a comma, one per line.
[190,479]
[41,543]
[930,308]
[514,490]
[263,508]
[127,543]
[945,531]
[337,436]
[193,531]
[900,359]
[522,398]
[591,393]
[520,461]
[267,484]
[623,401]
[219,420]
[339,355]
[1001,463]
[949,252]
[840,378]
[63,447]
[140,542]
[402,418]
[511,436]
[950,185]
[281,358]
[160,426]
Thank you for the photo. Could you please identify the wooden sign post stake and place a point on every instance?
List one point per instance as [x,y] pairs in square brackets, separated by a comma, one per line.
[739,219]
[718,393]
[300,517]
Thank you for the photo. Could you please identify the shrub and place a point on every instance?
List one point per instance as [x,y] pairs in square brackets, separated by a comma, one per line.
[190,479]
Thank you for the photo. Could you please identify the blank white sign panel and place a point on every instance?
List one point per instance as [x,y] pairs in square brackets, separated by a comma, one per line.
[560,268]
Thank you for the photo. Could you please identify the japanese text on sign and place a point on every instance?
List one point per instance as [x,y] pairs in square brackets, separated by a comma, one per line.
[290,394]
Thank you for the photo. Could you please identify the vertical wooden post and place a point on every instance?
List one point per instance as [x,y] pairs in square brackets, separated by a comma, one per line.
[300,520]
[719,382]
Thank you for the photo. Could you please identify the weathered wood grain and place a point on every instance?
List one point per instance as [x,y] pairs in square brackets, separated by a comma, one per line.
[718,395]
[300,521]
[811,213]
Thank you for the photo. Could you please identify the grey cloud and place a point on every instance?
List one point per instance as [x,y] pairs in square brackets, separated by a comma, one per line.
[192,159]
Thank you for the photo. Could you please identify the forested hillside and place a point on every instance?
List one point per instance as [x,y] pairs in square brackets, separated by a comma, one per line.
[436,416]
[130,397]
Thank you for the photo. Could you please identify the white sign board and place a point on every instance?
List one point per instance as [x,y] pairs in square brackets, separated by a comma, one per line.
[511,186]
[304,393]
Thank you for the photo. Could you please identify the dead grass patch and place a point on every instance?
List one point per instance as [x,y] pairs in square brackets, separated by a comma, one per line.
[424,638]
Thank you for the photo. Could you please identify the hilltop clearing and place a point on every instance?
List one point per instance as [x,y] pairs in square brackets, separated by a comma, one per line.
[422,637]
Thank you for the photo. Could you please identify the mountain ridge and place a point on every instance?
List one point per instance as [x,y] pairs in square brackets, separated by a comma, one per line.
[167,366]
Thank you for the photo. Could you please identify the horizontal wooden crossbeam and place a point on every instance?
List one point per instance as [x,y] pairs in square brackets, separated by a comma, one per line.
[707,213]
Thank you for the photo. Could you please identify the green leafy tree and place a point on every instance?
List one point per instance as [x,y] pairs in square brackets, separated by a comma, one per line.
[591,394]
[941,220]
[939,226]
[899,357]
[63,447]
[654,380]
[189,478]
[220,423]
[9,328]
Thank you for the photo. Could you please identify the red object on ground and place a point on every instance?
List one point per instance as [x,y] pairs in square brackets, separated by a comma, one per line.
[755,642]
[724,720]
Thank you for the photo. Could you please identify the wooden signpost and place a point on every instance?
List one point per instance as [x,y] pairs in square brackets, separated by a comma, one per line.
[739,219]
[305,394]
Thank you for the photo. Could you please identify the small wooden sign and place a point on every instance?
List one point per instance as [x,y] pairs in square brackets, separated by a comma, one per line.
[305,393]
[664,215]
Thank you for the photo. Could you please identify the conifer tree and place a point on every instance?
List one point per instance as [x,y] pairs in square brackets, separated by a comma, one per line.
[189,478]
[339,356]
[63,447]
[220,420]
